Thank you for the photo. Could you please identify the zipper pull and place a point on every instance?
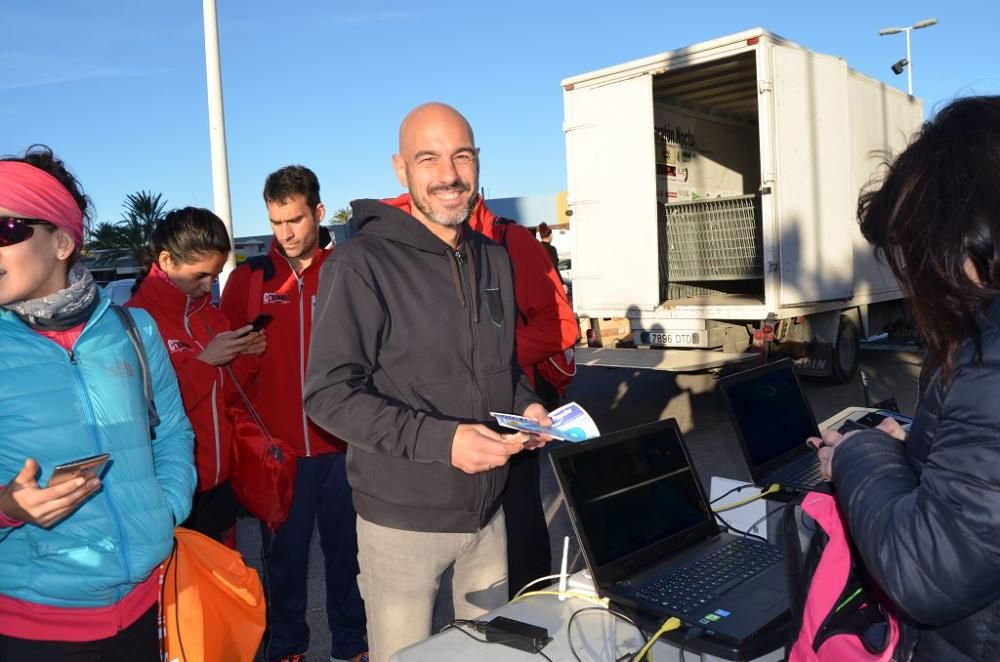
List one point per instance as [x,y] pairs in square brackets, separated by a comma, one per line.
[72,357]
[459,258]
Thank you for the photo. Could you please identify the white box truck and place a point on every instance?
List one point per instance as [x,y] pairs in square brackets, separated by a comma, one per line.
[713,193]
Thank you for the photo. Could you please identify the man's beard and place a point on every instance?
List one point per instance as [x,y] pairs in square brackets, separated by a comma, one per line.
[446,219]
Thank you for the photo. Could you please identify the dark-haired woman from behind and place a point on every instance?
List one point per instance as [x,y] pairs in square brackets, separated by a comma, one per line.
[923,507]
[187,251]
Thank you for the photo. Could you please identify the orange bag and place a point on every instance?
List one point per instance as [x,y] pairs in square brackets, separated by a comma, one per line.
[212,605]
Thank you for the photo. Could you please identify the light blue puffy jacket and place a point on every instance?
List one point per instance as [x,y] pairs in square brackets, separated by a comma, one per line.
[57,407]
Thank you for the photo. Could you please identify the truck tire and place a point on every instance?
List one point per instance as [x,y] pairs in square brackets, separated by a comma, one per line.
[846,351]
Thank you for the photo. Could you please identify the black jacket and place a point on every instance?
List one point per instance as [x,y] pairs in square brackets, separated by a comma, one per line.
[409,339]
[925,514]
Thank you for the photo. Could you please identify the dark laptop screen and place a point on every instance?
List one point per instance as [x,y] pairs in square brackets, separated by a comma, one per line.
[633,493]
[770,411]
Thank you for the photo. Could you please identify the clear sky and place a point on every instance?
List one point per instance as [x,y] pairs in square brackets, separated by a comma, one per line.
[117,87]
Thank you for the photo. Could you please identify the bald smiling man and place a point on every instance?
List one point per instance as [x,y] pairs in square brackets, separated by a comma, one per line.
[412,347]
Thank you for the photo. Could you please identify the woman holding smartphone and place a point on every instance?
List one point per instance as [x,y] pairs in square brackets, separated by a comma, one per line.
[79,558]
[187,251]
[923,507]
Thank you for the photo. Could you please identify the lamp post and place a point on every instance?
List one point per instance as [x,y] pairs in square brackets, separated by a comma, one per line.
[908,62]
[217,130]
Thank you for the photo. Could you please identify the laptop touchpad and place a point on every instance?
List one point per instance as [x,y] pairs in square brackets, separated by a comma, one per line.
[761,597]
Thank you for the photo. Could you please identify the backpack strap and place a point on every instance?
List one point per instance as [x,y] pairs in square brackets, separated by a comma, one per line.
[140,351]
[503,224]
[793,569]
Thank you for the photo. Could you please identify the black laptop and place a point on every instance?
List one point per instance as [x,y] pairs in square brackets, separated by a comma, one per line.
[773,419]
[650,539]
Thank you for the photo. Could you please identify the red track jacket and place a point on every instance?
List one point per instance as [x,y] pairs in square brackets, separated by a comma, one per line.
[277,391]
[187,326]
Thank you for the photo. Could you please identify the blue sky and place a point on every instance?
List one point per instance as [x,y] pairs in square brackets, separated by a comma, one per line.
[117,87]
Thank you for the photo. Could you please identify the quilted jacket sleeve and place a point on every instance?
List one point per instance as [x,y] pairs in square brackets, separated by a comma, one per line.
[173,448]
[932,541]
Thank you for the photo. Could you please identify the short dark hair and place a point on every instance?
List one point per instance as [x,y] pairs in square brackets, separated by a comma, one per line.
[187,234]
[42,157]
[937,208]
[283,184]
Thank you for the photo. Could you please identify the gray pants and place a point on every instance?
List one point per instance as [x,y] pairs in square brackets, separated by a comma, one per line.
[401,573]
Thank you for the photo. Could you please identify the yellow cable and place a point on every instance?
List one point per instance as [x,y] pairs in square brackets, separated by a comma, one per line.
[671,623]
[742,502]
[568,594]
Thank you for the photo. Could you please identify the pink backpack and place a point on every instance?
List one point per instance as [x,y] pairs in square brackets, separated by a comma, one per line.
[837,613]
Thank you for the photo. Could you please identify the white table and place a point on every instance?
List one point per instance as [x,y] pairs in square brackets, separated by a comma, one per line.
[597,637]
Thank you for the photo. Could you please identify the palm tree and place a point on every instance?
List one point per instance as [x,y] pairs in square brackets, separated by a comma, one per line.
[106,235]
[341,216]
[142,211]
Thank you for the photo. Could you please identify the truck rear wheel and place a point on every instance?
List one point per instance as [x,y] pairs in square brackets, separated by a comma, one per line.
[846,351]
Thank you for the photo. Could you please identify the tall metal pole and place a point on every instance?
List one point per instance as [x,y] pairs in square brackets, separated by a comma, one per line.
[909,65]
[217,130]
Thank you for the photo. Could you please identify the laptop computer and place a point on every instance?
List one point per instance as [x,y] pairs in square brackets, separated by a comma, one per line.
[773,419]
[650,539]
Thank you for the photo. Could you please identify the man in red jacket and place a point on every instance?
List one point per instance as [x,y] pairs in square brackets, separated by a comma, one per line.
[546,327]
[286,290]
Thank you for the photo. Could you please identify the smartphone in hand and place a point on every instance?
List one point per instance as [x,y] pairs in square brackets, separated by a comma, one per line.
[70,470]
[260,322]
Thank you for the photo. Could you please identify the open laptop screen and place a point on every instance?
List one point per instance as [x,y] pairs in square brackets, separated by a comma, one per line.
[769,411]
[631,490]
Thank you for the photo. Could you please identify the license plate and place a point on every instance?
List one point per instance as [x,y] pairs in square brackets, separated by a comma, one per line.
[672,338]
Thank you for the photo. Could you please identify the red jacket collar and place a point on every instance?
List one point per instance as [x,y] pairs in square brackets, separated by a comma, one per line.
[281,262]
[160,291]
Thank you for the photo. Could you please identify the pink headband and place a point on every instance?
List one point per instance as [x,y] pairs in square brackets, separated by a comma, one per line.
[34,193]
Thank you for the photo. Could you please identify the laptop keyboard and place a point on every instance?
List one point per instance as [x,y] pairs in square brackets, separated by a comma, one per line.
[689,588]
[801,474]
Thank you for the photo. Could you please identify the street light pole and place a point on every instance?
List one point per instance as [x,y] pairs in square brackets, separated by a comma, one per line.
[217,130]
[909,65]
[908,62]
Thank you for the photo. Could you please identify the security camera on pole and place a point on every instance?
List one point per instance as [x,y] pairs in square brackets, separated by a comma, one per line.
[907,62]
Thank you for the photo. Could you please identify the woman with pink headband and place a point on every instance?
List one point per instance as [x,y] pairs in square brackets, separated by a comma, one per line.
[80,557]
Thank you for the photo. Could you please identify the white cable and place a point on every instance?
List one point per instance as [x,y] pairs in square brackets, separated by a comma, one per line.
[533,582]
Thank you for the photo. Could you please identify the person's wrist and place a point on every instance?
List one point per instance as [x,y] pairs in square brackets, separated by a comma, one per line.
[5,519]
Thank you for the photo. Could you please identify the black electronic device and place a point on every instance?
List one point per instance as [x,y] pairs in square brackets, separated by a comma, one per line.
[650,539]
[773,419]
[516,634]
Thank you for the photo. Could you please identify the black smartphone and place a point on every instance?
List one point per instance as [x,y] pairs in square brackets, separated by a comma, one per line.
[260,322]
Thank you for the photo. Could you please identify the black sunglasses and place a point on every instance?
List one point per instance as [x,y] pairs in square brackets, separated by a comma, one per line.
[14,230]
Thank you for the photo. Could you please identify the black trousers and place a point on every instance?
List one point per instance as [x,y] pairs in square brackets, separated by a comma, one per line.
[529,552]
[213,512]
[138,642]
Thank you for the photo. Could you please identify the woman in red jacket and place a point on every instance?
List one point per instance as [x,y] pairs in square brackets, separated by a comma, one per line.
[187,251]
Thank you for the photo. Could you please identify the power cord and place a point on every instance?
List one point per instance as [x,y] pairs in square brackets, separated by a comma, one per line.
[572,618]
[533,582]
[745,534]
[690,635]
[775,487]
[480,626]
[738,488]
[568,594]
